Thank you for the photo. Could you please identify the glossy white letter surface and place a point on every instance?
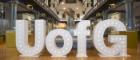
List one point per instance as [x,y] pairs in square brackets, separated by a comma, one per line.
[119,47]
[51,43]
[82,32]
[22,38]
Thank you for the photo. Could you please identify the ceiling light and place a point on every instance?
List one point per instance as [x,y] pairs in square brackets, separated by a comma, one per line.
[62,3]
[64,8]
[112,4]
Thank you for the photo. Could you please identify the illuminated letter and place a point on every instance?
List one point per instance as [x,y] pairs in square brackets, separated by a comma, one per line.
[119,47]
[22,38]
[52,47]
[81,32]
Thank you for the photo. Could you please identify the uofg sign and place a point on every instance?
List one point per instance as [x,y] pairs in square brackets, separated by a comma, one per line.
[119,47]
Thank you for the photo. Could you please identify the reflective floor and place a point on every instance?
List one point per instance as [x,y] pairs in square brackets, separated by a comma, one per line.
[12,54]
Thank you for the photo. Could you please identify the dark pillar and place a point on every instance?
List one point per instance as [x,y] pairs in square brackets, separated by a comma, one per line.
[11,13]
[129,14]
[14,14]
[104,14]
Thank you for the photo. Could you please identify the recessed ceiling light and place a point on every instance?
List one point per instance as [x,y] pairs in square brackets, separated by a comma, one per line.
[64,8]
[62,3]
[112,4]
[77,8]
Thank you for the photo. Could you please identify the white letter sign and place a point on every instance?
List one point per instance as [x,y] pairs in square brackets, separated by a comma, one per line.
[22,38]
[120,41]
[118,48]
[81,32]
[51,44]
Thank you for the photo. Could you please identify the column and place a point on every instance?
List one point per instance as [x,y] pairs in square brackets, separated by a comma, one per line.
[129,14]
[11,13]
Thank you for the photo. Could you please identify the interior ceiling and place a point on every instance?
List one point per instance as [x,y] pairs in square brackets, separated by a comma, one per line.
[136,8]
[70,1]
[77,7]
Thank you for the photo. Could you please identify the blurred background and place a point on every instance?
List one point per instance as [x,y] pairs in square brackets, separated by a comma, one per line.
[65,14]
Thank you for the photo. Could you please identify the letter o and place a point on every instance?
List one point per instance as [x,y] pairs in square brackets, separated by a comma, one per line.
[52,47]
